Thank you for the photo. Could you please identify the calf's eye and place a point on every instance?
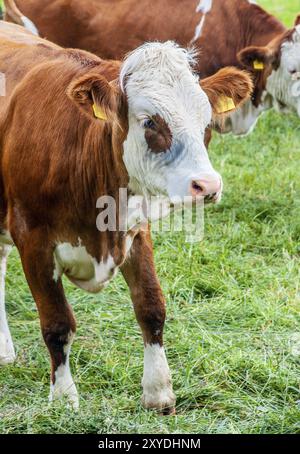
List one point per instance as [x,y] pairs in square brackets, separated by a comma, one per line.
[295,74]
[148,124]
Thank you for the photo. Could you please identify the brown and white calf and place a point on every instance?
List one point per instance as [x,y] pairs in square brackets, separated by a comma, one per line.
[70,133]
[226,32]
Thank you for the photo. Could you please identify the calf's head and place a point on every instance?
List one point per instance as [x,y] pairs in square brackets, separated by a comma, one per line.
[168,111]
[276,68]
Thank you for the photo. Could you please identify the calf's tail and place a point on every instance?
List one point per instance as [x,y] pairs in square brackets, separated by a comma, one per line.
[13,14]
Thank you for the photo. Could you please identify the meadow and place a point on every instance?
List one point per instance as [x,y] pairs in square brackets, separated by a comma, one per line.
[233,301]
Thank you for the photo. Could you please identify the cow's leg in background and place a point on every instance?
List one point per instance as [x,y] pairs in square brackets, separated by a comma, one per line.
[7,352]
[56,317]
[149,306]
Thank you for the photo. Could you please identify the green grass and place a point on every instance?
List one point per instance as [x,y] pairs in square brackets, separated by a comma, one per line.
[232,334]
[285,10]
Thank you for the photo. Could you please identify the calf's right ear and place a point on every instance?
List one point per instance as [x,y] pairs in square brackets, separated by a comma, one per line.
[227,90]
[256,58]
[94,94]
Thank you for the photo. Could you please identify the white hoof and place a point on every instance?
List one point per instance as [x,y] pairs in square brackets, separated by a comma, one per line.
[71,395]
[162,400]
[157,385]
[5,360]
[64,387]
[7,351]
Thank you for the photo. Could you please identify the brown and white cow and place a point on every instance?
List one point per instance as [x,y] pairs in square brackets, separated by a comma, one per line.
[227,33]
[70,133]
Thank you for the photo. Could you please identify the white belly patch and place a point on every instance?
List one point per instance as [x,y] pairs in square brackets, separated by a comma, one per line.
[82,269]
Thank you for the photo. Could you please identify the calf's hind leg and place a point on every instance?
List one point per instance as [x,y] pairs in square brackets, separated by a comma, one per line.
[149,306]
[56,317]
[7,352]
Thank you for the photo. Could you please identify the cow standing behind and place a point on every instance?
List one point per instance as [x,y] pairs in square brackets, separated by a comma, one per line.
[227,33]
[69,134]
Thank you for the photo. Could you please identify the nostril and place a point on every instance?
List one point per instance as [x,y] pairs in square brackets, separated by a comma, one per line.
[206,186]
[197,187]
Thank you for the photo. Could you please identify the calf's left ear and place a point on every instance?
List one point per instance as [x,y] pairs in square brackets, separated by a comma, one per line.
[297,21]
[95,95]
[227,90]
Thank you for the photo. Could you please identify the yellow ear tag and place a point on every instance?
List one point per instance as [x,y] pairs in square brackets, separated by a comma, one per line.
[259,65]
[225,105]
[98,112]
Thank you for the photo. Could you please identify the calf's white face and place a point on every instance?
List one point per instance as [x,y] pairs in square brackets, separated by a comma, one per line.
[168,113]
[284,83]
[279,66]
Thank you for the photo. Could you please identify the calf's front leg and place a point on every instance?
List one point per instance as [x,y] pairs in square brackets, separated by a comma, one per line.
[56,317]
[149,306]
[7,352]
